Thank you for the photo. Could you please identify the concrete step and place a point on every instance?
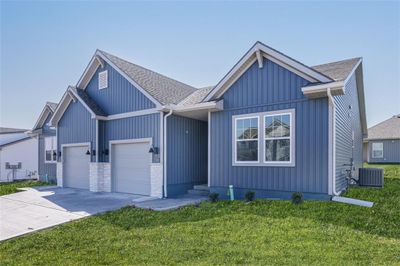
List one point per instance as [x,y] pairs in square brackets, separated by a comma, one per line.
[198,192]
[201,187]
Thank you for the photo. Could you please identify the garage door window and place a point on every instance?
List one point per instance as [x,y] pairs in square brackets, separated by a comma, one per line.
[50,145]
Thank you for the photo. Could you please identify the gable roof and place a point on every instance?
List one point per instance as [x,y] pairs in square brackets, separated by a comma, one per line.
[256,53]
[388,129]
[11,138]
[47,110]
[197,96]
[340,70]
[90,103]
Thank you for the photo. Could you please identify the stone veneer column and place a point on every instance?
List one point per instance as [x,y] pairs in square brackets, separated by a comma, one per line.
[156,180]
[59,174]
[100,177]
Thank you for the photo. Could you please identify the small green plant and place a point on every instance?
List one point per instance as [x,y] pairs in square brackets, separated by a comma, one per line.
[297,198]
[249,196]
[213,196]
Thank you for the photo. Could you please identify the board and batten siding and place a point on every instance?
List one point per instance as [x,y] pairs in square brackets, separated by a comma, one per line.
[186,154]
[348,120]
[76,126]
[391,151]
[48,169]
[120,96]
[138,127]
[272,88]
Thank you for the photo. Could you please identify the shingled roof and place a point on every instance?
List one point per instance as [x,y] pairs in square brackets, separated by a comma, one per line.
[388,129]
[163,89]
[89,102]
[338,71]
[197,96]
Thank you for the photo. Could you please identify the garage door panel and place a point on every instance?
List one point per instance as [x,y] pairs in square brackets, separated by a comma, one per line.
[76,167]
[131,168]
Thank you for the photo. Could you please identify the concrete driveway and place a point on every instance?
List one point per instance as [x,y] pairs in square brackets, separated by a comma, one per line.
[39,208]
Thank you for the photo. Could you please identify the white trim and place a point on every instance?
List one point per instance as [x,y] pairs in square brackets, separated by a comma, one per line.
[235,140]
[82,102]
[126,141]
[88,73]
[337,86]
[261,139]
[42,118]
[161,148]
[352,71]
[213,106]
[259,59]
[332,146]
[53,138]
[209,150]
[105,73]
[165,152]
[97,141]
[129,114]
[372,150]
[271,52]
[291,138]
[137,86]
[53,120]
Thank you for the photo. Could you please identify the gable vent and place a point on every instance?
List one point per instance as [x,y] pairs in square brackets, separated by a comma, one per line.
[103,80]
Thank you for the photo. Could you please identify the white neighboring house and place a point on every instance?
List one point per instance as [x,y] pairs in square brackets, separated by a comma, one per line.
[18,155]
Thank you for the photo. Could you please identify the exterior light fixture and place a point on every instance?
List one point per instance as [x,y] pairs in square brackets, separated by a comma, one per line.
[88,152]
[153,150]
[105,152]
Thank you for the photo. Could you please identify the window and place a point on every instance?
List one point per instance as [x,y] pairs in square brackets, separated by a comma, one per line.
[277,137]
[267,135]
[246,139]
[103,80]
[50,145]
[377,150]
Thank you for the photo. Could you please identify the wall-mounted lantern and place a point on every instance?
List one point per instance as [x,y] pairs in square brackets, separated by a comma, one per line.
[153,150]
[88,152]
[105,152]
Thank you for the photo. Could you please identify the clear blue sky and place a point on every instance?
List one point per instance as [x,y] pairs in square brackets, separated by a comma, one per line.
[46,45]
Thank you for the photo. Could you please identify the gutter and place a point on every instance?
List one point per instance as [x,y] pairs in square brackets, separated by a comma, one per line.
[332,174]
[165,151]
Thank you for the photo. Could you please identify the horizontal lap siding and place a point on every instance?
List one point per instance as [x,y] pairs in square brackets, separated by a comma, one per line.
[147,126]
[77,126]
[391,151]
[120,96]
[48,169]
[267,89]
[186,151]
[347,121]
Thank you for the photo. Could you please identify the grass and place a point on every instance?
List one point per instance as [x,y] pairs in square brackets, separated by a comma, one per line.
[262,232]
[9,188]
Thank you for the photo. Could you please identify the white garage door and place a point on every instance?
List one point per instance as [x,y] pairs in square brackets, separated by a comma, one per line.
[76,167]
[130,166]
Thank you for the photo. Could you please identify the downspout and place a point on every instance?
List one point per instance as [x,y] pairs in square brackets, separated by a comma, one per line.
[165,152]
[332,103]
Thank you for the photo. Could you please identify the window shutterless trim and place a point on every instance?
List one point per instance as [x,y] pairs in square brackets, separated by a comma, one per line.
[52,150]
[235,140]
[372,152]
[261,139]
[291,124]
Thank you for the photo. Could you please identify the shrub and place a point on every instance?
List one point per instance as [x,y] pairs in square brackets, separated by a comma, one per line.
[297,198]
[213,196]
[250,195]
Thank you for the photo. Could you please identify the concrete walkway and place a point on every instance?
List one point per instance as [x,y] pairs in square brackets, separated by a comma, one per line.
[170,203]
[39,208]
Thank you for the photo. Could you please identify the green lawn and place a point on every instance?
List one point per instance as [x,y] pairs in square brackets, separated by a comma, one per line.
[263,232]
[8,188]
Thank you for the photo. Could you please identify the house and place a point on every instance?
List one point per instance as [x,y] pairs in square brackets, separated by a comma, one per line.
[271,125]
[18,155]
[47,150]
[383,142]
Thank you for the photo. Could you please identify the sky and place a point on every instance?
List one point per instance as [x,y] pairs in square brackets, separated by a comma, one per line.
[45,46]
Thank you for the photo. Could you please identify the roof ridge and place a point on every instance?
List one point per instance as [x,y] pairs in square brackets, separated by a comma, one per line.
[106,54]
[339,61]
[392,117]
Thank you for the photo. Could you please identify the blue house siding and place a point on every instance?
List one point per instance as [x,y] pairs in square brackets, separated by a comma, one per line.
[348,121]
[391,151]
[147,126]
[186,153]
[48,169]
[268,89]
[77,126]
[120,96]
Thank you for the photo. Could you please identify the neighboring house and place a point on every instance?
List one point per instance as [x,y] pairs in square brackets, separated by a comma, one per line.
[47,144]
[272,125]
[18,155]
[383,142]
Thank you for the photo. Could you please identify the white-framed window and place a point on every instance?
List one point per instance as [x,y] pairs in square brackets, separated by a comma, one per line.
[246,139]
[277,130]
[377,150]
[103,79]
[264,139]
[50,149]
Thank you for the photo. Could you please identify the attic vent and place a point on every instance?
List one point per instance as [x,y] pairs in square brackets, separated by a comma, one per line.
[103,80]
